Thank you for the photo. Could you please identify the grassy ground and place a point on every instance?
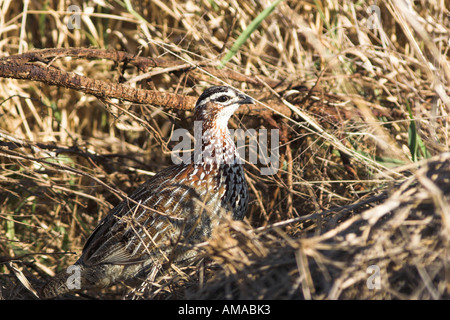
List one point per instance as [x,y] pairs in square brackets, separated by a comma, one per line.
[360,207]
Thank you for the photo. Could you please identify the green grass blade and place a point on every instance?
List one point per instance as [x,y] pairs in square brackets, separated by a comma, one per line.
[415,143]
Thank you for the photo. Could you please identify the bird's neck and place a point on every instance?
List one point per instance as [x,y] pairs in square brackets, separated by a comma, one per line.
[216,147]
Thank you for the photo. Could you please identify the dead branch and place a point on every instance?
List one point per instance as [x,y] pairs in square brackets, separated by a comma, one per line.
[29,66]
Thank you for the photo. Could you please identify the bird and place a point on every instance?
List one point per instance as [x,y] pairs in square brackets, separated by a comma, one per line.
[176,208]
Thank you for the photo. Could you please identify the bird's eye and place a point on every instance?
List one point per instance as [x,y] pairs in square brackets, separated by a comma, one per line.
[223,98]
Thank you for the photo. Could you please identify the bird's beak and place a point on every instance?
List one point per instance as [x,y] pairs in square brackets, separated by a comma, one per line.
[244,99]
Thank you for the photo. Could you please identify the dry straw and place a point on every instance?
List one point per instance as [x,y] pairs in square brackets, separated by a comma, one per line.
[360,208]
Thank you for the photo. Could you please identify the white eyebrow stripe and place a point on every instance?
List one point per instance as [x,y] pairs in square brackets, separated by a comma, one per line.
[231,93]
[218,94]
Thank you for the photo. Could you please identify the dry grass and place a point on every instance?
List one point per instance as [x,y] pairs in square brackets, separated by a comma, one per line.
[364,175]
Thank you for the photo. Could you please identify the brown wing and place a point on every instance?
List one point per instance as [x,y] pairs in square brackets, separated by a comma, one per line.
[135,229]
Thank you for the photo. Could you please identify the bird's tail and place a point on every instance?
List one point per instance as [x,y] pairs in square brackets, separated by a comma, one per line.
[66,281]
